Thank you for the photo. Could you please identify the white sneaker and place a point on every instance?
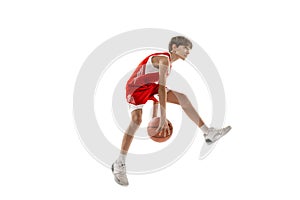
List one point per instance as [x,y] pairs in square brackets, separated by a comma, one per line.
[119,172]
[214,135]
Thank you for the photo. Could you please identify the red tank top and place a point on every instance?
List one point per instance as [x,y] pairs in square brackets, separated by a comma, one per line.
[143,74]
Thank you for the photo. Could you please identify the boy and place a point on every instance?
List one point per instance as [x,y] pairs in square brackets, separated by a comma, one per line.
[149,79]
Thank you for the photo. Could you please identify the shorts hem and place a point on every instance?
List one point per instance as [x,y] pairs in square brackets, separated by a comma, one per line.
[132,107]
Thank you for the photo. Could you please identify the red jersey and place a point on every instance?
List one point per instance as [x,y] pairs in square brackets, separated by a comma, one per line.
[145,73]
[143,83]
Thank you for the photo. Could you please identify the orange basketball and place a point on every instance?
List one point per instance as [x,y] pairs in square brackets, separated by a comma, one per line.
[151,129]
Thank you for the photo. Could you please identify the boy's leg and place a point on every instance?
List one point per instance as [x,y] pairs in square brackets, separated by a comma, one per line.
[136,120]
[155,109]
[118,167]
[211,134]
[184,102]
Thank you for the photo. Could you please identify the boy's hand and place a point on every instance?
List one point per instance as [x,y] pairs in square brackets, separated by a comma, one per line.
[163,129]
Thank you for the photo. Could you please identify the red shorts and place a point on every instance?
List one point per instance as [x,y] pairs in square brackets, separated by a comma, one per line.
[138,97]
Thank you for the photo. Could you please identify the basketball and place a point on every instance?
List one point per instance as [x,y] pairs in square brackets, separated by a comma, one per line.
[151,129]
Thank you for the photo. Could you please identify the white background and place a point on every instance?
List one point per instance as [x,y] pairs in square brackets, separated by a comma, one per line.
[255,46]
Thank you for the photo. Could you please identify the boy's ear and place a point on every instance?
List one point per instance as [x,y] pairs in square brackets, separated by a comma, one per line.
[174,46]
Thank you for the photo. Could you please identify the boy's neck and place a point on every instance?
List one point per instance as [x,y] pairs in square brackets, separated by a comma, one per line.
[174,57]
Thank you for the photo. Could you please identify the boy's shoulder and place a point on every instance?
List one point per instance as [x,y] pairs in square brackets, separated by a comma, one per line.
[163,54]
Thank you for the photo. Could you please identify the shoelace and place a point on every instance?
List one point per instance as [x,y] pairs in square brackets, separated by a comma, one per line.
[122,168]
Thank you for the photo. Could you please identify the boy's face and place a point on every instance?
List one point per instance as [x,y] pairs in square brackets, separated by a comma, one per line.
[182,51]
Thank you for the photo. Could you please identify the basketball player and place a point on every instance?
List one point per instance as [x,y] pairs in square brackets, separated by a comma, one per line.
[149,79]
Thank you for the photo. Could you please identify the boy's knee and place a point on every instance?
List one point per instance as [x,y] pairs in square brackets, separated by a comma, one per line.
[182,96]
[183,99]
[137,118]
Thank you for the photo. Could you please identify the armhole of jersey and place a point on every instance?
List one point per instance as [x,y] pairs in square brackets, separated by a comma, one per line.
[150,59]
[165,56]
[154,69]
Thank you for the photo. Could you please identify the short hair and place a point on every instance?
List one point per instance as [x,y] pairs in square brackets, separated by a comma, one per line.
[180,40]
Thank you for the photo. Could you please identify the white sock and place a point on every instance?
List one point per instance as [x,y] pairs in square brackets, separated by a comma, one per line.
[204,128]
[122,158]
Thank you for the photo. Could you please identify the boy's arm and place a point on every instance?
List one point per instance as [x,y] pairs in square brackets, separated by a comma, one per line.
[163,69]
[155,109]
